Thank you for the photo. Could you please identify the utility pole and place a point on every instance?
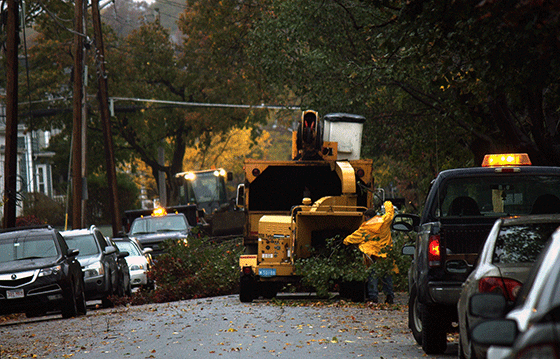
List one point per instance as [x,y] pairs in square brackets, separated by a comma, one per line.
[77,118]
[103,99]
[10,165]
[84,118]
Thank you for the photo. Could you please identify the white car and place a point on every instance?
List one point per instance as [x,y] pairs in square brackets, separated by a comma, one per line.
[138,263]
[508,254]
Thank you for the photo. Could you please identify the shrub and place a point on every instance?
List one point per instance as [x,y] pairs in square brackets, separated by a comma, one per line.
[331,265]
[200,268]
[29,220]
[337,263]
[44,209]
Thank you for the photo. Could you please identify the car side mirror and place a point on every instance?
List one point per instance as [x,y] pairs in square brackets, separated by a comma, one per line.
[500,332]
[123,254]
[110,250]
[408,250]
[487,306]
[147,250]
[73,252]
[405,222]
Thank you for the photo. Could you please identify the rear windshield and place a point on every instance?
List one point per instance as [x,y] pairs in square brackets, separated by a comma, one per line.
[13,249]
[503,195]
[522,243]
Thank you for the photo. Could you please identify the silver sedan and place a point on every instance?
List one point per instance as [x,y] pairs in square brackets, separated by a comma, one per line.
[511,248]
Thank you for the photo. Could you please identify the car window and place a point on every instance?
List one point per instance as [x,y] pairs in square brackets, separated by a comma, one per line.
[526,288]
[18,248]
[85,243]
[158,224]
[502,195]
[522,243]
[128,247]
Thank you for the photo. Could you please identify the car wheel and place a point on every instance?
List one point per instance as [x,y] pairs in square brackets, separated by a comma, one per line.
[434,330]
[414,316]
[120,288]
[82,306]
[128,291]
[106,302]
[70,306]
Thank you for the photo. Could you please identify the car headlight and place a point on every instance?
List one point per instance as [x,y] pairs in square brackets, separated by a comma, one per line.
[94,270]
[50,271]
[136,267]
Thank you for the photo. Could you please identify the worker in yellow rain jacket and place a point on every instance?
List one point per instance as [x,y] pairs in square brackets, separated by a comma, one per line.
[372,237]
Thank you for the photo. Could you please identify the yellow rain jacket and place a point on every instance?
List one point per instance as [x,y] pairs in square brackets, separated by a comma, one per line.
[374,234]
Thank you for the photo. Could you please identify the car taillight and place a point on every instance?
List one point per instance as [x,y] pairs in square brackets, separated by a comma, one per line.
[434,251]
[540,351]
[247,270]
[505,286]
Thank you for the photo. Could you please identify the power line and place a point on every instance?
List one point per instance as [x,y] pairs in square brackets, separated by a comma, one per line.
[202,104]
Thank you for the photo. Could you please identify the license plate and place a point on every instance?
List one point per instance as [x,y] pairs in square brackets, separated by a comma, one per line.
[16,293]
[267,272]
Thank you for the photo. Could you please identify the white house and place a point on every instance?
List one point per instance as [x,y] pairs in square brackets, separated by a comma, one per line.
[34,169]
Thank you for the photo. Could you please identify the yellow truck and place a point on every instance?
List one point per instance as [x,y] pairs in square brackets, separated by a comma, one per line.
[294,206]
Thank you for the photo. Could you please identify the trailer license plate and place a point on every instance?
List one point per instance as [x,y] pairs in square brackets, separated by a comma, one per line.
[267,272]
[17,293]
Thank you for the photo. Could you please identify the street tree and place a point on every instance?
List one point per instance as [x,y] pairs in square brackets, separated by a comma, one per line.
[440,82]
[149,65]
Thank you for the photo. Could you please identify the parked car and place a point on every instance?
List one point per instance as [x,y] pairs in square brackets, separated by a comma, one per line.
[160,226]
[138,261]
[105,269]
[507,256]
[532,328]
[39,273]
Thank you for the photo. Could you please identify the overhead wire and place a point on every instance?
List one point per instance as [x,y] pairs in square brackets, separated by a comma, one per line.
[58,20]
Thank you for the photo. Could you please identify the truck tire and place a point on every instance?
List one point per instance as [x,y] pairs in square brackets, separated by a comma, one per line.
[415,316]
[434,330]
[268,290]
[246,289]
[355,291]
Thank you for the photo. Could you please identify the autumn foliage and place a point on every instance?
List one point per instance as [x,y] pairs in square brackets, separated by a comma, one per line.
[337,263]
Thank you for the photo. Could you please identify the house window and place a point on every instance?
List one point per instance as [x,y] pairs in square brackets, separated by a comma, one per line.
[42,179]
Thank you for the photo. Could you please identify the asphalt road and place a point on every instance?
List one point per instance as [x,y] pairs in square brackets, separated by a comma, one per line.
[221,327]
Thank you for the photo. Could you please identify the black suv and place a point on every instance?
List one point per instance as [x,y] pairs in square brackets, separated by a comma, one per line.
[105,269]
[39,273]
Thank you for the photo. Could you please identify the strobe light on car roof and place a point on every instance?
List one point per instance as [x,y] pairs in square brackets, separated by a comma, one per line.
[506,159]
[158,212]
